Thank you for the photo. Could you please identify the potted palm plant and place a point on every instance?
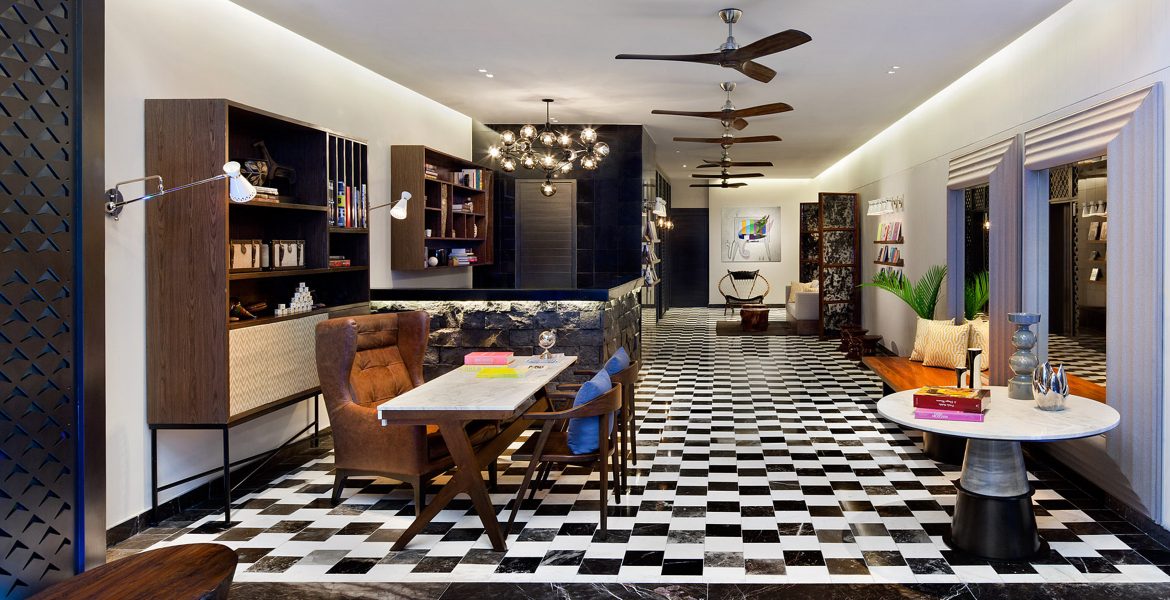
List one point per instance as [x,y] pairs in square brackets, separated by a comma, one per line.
[976,294]
[921,296]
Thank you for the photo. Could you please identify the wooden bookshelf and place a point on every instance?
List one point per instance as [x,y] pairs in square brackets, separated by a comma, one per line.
[432,206]
[197,356]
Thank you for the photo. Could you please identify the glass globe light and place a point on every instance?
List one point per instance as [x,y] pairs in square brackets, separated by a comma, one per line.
[547,189]
[494,151]
[527,132]
[565,140]
[548,161]
[588,135]
[601,149]
[508,165]
[508,137]
[523,146]
[548,138]
[566,167]
[588,162]
[528,161]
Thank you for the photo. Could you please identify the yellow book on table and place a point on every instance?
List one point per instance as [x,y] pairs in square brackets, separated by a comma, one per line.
[501,372]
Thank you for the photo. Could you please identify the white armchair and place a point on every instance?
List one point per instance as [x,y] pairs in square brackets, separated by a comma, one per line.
[803,310]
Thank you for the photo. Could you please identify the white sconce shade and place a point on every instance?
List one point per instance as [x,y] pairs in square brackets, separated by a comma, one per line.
[240,190]
[398,211]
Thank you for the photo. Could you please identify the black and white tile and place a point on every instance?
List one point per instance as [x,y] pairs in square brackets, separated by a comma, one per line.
[1082,355]
[760,460]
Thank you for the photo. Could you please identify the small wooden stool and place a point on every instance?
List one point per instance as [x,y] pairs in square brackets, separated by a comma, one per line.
[186,572]
[753,317]
[863,345]
[847,333]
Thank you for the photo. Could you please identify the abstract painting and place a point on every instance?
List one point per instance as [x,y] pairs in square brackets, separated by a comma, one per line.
[750,234]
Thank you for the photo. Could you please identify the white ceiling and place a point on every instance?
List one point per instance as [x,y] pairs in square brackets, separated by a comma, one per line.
[838,83]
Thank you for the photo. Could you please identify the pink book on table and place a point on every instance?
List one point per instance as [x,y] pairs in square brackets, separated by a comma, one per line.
[948,415]
[487,358]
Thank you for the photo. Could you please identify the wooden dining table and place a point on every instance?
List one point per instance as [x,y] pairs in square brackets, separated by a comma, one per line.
[453,400]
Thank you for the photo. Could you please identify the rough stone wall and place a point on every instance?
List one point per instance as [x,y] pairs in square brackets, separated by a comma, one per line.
[588,329]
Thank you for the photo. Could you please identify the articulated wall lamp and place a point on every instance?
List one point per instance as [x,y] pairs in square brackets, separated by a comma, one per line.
[239,189]
[397,208]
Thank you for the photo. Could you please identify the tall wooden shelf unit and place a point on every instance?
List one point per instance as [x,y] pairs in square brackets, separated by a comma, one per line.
[431,207]
[203,370]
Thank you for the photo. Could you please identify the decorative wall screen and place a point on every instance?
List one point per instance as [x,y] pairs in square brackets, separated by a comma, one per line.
[840,261]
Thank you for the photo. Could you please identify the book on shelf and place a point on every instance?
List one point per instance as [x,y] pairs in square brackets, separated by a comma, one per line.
[949,415]
[488,358]
[430,171]
[472,178]
[950,398]
[339,262]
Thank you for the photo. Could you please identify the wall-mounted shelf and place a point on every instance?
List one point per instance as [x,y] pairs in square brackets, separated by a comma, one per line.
[889,241]
[900,263]
[293,272]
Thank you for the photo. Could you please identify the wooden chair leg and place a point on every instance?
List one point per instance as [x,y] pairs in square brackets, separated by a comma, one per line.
[520,495]
[624,432]
[339,477]
[618,485]
[420,495]
[603,458]
[540,479]
[493,476]
[634,435]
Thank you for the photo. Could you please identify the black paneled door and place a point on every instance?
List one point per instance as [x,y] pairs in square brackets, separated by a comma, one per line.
[689,251]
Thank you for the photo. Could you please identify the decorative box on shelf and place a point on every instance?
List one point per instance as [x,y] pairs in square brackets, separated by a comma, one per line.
[244,256]
[288,254]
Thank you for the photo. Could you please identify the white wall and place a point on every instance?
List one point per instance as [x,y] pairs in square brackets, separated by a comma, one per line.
[210,49]
[1086,53]
[785,193]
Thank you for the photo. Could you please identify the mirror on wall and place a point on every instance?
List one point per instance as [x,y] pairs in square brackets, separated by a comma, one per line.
[1078,239]
[976,249]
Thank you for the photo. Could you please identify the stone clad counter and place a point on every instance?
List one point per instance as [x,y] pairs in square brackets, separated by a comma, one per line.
[590,323]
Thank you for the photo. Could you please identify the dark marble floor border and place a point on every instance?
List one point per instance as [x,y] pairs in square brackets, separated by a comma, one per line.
[694,591]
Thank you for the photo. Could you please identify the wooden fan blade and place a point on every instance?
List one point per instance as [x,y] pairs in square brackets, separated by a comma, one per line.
[718,185]
[702,140]
[689,113]
[739,124]
[754,70]
[777,42]
[737,164]
[726,176]
[753,139]
[761,110]
[711,58]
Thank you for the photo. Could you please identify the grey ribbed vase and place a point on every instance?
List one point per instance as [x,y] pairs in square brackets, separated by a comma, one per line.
[1023,361]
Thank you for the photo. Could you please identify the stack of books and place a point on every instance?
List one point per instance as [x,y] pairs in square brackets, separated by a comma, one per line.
[489,358]
[463,257]
[430,172]
[350,206]
[493,365]
[267,194]
[339,261]
[950,404]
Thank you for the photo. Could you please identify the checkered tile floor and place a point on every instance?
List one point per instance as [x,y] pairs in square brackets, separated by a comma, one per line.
[760,459]
[1083,355]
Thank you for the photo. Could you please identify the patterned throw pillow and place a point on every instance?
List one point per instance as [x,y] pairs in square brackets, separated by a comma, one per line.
[920,333]
[981,338]
[946,346]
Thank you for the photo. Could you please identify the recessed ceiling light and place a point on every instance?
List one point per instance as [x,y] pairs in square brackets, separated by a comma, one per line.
[684,166]
[483,70]
[895,67]
[489,75]
[890,72]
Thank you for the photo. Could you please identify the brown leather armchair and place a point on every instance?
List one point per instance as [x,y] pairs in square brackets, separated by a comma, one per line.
[362,362]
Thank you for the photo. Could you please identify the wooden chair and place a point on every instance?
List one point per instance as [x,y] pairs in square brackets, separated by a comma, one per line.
[551,446]
[628,421]
[742,287]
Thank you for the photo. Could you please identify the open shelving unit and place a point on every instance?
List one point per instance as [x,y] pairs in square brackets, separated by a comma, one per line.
[435,197]
[204,370]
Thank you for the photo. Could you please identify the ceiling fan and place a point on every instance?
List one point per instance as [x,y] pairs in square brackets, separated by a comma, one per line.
[726,175]
[730,55]
[729,115]
[724,185]
[725,162]
[727,139]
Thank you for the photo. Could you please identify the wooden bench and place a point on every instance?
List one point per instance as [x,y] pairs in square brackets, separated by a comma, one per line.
[185,572]
[899,374]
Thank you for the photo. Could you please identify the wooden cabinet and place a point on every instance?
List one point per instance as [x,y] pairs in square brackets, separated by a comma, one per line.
[204,369]
[451,198]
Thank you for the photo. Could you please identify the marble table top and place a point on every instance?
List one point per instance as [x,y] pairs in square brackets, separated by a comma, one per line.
[1009,419]
[462,391]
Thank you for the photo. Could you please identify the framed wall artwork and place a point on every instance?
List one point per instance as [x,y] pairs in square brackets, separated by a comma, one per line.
[750,234]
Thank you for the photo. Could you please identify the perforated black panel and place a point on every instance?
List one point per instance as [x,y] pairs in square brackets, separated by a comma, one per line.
[39,417]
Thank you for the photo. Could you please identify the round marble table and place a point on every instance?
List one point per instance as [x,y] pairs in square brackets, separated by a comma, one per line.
[993,505]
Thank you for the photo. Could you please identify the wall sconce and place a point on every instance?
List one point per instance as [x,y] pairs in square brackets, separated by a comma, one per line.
[397,208]
[239,189]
